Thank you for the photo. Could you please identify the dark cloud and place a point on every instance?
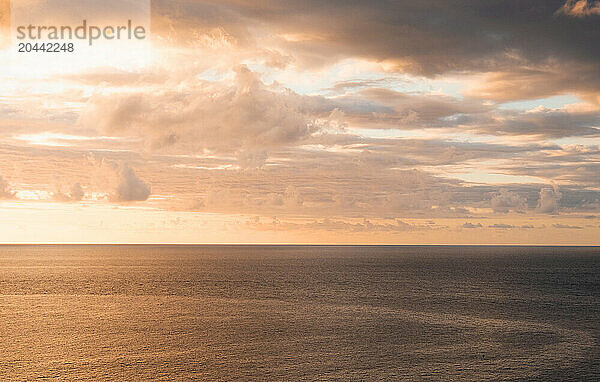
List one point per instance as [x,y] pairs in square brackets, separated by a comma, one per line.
[580,8]
[422,37]
[546,80]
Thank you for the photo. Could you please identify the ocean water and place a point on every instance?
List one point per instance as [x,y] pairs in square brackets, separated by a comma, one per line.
[129,313]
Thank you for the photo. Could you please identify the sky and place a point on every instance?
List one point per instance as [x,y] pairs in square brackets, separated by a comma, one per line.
[313,121]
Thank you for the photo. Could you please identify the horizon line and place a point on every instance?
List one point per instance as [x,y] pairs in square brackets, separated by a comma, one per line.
[298,245]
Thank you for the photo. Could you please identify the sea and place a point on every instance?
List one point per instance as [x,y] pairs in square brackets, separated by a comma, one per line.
[299,313]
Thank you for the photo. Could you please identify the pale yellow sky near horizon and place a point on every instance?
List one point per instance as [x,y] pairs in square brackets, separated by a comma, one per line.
[303,122]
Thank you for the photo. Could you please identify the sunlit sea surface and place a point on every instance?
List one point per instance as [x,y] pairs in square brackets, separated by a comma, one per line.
[129,313]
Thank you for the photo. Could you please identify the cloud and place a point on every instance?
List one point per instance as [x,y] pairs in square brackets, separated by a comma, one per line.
[5,191]
[252,159]
[221,137]
[548,202]
[76,194]
[573,168]
[247,117]
[327,224]
[379,108]
[425,37]
[501,226]
[552,123]
[292,197]
[131,188]
[541,81]
[505,201]
[580,8]
[564,226]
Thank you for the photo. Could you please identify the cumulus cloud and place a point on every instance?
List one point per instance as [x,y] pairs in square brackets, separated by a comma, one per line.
[130,188]
[5,191]
[548,202]
[505,201]
[247,117]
